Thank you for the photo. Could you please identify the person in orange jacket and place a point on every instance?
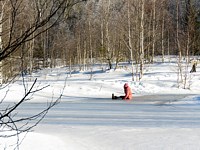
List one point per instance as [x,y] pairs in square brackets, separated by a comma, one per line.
[127,91]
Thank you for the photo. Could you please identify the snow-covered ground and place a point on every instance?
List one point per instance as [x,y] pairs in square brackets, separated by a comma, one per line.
[160,116]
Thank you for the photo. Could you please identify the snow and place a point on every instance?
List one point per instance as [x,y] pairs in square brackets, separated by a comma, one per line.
[160,116]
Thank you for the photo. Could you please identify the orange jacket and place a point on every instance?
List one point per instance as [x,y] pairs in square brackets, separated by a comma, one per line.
[128,92]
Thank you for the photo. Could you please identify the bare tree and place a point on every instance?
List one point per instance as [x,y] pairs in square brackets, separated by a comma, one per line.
[107,34]
[14,38]
[154,29]
[179,71]
[9,122]
[190,24]
[142,39]
[129,45]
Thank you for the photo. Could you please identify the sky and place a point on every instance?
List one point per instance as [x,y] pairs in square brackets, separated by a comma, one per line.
[160,115]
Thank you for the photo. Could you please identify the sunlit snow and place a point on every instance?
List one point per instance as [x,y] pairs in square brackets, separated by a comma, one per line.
[161,116]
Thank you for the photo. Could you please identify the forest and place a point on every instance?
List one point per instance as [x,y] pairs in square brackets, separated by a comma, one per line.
[78,34]
[49,33]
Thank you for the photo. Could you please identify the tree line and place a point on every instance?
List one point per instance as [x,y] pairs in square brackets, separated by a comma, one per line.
[46,33]
[38,33]
[24,30]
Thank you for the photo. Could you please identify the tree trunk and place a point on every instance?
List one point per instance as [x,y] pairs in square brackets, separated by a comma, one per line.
[129,39]
[109,55]
[142,40]
[168,45]
[154,27]
[179,78]
[162,40]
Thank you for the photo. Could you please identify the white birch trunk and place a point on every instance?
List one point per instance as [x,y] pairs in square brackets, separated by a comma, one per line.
[3,3]
[162,34]
[142,40]
[108,36]
[168,45]
[179,74]
[154,26]
[129,39]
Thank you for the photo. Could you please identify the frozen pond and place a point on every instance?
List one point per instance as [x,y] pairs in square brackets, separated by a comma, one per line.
[149,122]
[145,111]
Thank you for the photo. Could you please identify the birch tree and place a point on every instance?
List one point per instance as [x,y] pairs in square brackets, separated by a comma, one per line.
[179,70]
[13,38]
[154,29]
[128,39]
[141,39]
[107,35]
